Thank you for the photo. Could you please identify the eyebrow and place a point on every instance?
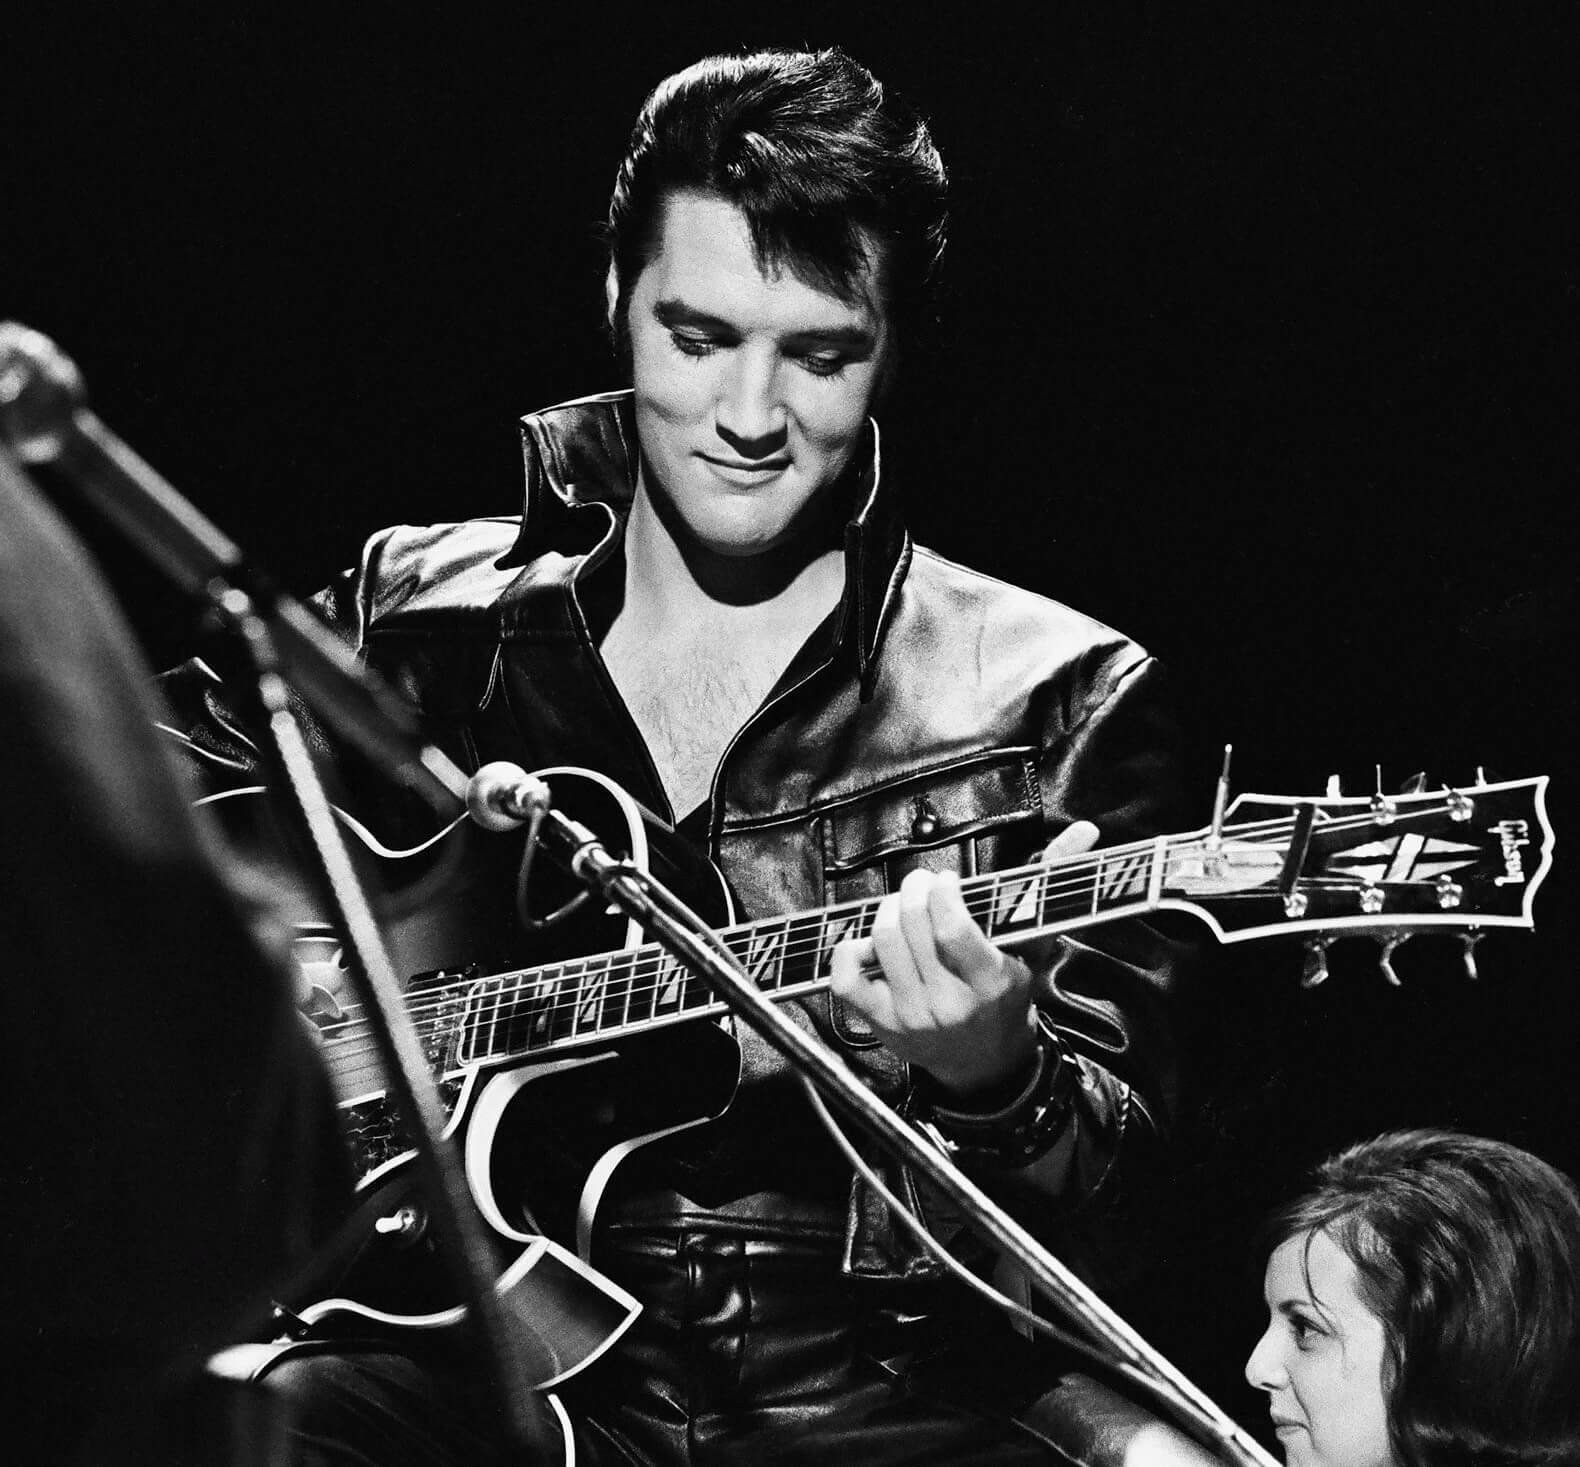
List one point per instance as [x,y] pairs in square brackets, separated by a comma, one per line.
[1308,1307]
[674,312]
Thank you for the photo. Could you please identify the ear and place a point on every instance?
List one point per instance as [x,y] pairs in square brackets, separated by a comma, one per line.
[611,296]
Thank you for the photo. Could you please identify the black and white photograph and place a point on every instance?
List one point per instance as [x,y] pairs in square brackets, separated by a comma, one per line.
[759,735]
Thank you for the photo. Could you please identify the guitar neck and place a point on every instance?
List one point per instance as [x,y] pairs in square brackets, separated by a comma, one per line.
[514,1014]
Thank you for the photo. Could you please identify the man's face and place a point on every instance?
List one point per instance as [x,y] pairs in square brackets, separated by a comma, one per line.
[752,389]
[1320,1359]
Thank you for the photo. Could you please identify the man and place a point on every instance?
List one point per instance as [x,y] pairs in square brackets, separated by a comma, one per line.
[711,599]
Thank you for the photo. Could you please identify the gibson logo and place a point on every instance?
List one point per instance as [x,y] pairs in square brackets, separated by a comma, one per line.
[1513,836]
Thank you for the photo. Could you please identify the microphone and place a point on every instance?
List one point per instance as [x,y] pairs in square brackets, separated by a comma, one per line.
[503,796]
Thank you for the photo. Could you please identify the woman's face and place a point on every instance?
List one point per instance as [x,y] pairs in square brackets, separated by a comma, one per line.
[1320,1359]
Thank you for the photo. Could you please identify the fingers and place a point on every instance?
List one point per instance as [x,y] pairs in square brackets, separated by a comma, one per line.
[960,949]
[1076,837]
[856,978]
[907,973]
[933,987]
[927,941]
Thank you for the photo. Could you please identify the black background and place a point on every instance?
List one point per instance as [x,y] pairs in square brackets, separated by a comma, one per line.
[1259,342]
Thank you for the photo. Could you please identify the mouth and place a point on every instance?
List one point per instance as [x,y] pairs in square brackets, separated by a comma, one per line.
[745,471]
[1281,1424]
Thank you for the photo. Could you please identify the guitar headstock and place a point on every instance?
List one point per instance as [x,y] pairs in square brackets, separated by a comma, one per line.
[1466,859]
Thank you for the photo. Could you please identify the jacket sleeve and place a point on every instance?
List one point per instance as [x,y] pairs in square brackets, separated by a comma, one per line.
[201,696]
[1077,1139]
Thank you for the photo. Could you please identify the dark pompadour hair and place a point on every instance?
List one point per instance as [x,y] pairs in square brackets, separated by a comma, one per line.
[812,150]
[1468,1251]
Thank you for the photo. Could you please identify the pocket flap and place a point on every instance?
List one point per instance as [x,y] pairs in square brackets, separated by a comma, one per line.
[938,808]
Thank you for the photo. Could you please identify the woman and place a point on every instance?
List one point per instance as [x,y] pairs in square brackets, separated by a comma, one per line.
[1424,1303]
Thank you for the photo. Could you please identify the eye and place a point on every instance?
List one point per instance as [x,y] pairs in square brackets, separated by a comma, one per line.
[1306,1331]
[824,363]
[692,345]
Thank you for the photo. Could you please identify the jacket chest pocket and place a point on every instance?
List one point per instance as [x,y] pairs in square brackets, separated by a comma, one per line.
[966,817]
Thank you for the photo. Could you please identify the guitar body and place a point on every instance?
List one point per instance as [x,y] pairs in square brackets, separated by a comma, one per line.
[540,1140]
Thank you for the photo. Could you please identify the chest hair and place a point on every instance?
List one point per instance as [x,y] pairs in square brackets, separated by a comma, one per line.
[689,695]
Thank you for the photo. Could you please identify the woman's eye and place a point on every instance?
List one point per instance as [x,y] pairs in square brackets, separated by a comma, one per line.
[1304,1332]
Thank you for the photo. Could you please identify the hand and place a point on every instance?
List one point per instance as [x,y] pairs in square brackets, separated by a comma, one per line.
[321,978]
[936,991]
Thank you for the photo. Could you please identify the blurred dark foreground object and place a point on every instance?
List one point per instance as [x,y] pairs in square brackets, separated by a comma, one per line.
[172,1154]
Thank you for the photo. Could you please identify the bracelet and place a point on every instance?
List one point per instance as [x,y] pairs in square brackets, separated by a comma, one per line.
[1015,1133]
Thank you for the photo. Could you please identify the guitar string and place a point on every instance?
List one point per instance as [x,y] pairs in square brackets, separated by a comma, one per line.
[553,983]
[550,1003]
[982,894]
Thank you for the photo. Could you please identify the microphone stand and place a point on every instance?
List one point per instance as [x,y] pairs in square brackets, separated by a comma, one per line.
[685,936]
[43,414]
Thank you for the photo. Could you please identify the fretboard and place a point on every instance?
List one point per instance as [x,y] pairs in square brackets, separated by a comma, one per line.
[476,1019]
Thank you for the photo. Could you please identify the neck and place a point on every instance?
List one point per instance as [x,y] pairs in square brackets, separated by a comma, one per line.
[668,575]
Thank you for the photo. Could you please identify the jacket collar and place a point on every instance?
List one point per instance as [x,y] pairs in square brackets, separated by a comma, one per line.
[584,452]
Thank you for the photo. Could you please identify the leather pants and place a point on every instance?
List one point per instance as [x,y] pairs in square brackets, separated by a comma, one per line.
[750,1349]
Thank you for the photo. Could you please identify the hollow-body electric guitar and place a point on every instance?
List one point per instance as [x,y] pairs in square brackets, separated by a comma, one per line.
[553,1074]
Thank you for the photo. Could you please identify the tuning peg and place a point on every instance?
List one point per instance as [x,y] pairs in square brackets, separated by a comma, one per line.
[1335,788]
[1212,850]
[1415,784]
[1460,806]
[1316,968]
[1383,810]
[1468,957]
[1385,957]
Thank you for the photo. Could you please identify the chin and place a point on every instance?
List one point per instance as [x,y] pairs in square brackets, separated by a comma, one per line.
[740,534]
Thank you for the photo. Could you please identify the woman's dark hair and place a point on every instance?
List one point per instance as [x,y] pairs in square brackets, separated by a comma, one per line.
[1468,1251]
[812,150]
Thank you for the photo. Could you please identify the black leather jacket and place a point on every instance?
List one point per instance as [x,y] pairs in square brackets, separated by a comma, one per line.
[938,717]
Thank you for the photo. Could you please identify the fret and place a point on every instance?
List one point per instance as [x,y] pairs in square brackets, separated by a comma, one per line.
[760,950]
[669,986]
[474,1015]
[534,1015]
[696,997]
[1124,876]
[642,987]
[617,990]
[488,1031]
[566,1003]
[1017,899]
[836,926]
[588,1011]
[526,1004]
[603,993]
[803,948]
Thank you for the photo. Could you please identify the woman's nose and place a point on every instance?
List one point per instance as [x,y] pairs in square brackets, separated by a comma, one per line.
[1264,1369]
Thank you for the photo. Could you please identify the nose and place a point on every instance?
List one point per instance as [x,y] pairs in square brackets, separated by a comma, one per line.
[749,413]
[1265,1367]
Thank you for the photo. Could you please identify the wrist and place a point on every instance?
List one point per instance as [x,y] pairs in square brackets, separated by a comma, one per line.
[972,1090]
[1018,1130]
